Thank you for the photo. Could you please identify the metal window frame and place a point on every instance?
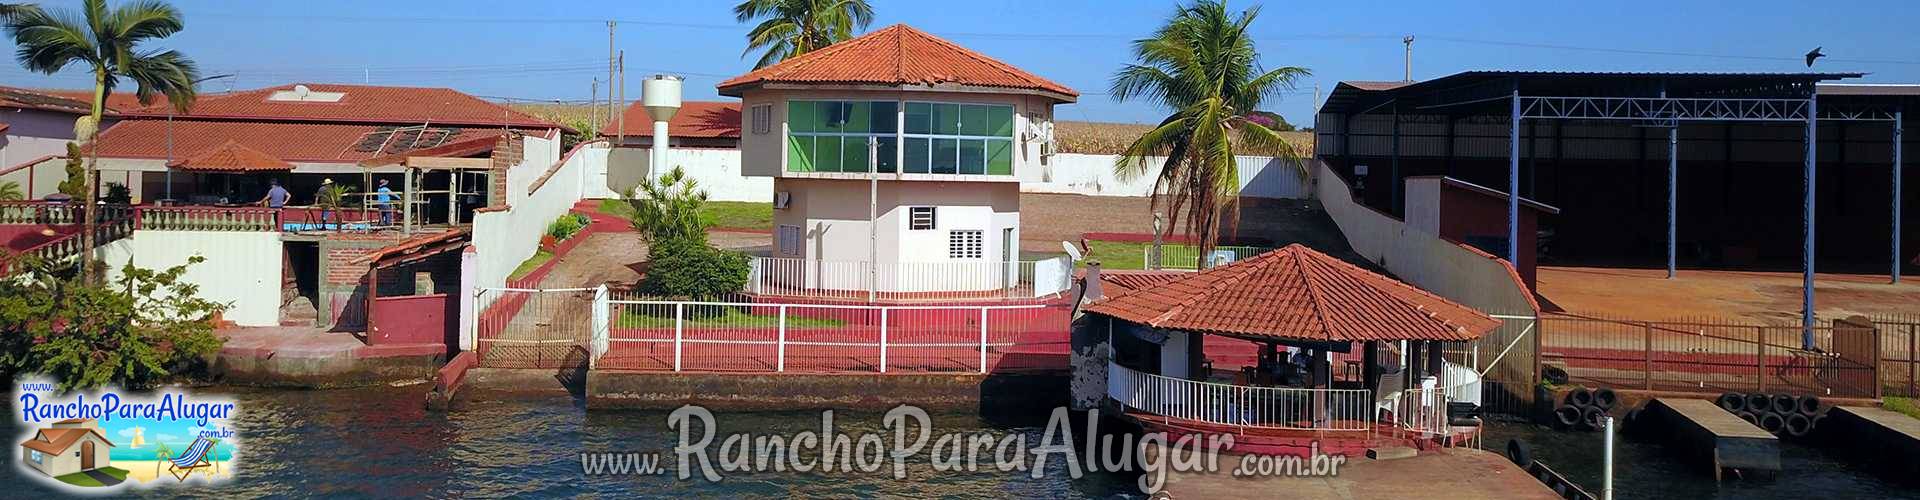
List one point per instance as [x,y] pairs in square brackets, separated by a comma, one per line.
[914,216]
[762,118]
[966,244]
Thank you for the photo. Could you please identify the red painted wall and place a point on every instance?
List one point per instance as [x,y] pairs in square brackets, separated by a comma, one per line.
[412,319]
[1465,214]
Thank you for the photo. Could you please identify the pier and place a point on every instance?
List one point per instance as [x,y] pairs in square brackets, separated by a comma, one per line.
[1872,435]
[1708,434]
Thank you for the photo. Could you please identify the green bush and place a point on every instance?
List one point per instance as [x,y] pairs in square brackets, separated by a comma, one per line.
[686,268]
[566,226]
[136,332]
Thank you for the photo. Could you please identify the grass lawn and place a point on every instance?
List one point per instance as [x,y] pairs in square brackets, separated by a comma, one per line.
[1902,405]
[630,318]
[1119,255]
[534,262]
[82,479]
[719,214]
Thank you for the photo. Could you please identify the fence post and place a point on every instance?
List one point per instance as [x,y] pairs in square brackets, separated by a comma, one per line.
[780,343]
[1912,389]
[883,340]
[679,323]
[601,325]
[1760,347]
[1649,347]
[983,340]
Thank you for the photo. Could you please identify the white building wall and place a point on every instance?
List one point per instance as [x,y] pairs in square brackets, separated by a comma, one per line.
[503,239]
[243,268]
[1173,355]
[717,171]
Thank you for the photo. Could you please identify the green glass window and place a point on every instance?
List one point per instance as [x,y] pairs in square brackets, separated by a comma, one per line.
[888,147]
[882,116]
[999,157]
[826,151]
[946,153]
[800,116]
[946,119]
[973,120]
[853,155]
[800,153]
[973,156]
[857,117]
[1000,121]
[916,159]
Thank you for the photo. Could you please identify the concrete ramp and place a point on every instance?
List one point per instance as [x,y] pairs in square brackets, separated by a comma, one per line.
[1704,433]
[1884,439]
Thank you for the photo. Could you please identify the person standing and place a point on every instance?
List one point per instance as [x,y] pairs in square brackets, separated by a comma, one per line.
[276,196]
[319,199]
[384,197]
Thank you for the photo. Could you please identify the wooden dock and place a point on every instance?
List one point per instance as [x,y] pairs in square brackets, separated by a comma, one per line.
[1707,434]
[1882,439]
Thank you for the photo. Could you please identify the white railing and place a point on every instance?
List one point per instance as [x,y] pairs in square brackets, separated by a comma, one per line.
[1420,410]
[1239,405]
[1188,257]
[738,336]
[860,280]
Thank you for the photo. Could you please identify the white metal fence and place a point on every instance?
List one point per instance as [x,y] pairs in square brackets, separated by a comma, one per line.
[643,334]
[861,280]
[1188,257]
[1243,406]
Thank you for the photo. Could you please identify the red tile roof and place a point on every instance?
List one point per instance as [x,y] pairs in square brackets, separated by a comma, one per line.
[13,97]
[287,140]
[117,101]
[230,157]
[1298,294]
[897,55]
[361,104]
[1118,281]
[704,119]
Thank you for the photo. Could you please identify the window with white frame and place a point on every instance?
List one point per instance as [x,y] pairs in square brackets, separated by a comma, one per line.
[831,136]
[762,118]
[937,137]
[788,239]
[966,244]
[920,218]
[37,457]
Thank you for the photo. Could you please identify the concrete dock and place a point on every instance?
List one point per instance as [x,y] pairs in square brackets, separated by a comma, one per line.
[1703,432]
[1452,473]
[1882,439]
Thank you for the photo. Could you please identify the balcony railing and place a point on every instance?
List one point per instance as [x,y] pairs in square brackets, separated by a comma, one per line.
[1239,405]
[858,280]
[1188,257]
[195,218]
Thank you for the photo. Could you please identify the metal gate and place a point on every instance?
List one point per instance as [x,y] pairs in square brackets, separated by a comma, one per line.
[533,328]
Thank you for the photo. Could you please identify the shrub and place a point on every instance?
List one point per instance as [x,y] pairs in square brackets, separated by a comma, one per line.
[668,208]
[690,269]
[134,332]
[566,226]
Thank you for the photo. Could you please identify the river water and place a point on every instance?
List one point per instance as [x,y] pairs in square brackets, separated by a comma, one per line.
[380,442]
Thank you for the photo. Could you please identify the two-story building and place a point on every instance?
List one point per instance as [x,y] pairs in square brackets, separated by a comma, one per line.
[896,148]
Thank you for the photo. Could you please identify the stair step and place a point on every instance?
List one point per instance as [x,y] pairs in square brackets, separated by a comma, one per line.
[1391,452]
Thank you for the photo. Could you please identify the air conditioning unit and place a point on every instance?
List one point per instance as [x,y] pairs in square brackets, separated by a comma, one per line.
[781,199]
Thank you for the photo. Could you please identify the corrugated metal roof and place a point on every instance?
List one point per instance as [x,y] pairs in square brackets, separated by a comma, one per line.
[1870,89]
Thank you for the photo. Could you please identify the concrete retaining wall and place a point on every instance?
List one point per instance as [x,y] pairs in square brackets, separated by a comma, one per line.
[985,393]
[243,268]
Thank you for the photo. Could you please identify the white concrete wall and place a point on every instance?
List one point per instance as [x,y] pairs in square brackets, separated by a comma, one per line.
[503,239]
[719,172]
[243,268]
[1423,204]
[1173,355]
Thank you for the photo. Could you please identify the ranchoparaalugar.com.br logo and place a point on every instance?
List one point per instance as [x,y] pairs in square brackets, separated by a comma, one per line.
[90,441]
[908,437]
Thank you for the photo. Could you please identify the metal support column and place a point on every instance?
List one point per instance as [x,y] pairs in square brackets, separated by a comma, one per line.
[1806,306]
[1898,130]
[1513,181]
[1673,194]
[1393,167]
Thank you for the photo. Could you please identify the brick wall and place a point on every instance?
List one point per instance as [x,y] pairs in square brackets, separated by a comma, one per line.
[506,153]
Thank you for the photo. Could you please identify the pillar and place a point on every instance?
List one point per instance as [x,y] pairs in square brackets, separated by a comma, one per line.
[1513,181]
[1807,212]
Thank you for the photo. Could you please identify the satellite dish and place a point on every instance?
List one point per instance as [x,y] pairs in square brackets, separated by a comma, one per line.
[1072,251]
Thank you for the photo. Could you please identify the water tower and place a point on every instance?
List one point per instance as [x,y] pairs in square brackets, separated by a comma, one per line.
[660,94]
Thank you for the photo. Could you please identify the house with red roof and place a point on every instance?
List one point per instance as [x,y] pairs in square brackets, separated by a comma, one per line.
[896,150]
[1342,352]
[35,124]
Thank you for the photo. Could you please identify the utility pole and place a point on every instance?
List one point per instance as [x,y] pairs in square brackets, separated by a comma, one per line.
[621,61]
[1408,58]
[610,68]
[593,103]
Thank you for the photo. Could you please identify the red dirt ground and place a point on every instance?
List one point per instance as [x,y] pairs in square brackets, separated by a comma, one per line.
[1647,294]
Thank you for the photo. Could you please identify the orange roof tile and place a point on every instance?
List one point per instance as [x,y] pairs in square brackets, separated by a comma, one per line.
[230,157]
[56,441]
[360,103]
[117,101]
[293,141]
[901,56]
[1296,293]
[717,119]
[1119,281]
[12,97]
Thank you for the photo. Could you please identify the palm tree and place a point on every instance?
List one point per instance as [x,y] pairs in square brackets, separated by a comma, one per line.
[107,42]
[789,28]
[1202,65]
[10,191]
[668,208]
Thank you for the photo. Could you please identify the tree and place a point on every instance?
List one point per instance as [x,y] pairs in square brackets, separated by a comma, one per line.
[75,184]
[108,43]
[668,208]
[134,332]
[10,191]
[789,28]
[1202,65]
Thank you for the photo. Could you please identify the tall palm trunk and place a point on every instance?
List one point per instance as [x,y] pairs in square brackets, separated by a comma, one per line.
[88,211]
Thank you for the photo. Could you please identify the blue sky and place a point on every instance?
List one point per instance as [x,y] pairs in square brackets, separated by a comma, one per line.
[540,50]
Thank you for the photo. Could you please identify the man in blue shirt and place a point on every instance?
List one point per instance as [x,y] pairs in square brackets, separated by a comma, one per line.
[384,197]
[276,196]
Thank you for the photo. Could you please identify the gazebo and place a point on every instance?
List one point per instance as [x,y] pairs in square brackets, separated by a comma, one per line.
[238,168]
[1309,302]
